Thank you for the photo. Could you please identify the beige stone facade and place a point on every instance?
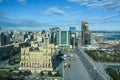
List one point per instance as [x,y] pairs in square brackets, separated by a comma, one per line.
[37,59]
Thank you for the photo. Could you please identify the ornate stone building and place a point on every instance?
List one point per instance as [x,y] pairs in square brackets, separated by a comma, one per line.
[37,58]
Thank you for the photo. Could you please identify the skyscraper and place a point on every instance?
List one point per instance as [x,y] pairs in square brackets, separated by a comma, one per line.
[2,39]
[72,30]
[73,35]
[53,34]
[85,34]
[63,39]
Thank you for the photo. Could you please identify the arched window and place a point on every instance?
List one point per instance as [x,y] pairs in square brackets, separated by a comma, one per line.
[22,64]
[26,64]
[49,60]
[46,65]
[35,64]
[49,65]
[43,64]
[32,64]
[38,65]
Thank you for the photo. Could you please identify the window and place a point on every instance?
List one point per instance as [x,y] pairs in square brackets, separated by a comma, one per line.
[22,64]
[49,65]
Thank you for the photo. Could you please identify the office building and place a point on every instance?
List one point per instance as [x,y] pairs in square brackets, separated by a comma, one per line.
[73,30]
[1,38]
[54,35]
[63,39]
[73,35]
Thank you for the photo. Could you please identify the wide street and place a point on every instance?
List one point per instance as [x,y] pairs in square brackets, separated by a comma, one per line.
[80,68]
[76,71]
[91,69]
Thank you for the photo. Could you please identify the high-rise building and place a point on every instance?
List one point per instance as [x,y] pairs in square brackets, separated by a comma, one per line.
[72,30]
[54,34]
[2,39]
[63,39]
[73,35]
[85,34]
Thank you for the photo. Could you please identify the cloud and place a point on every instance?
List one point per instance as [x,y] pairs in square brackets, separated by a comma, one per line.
[8,22]
[67,7]
[21,1]
[112,16]
[81,2]
[78,12]
[105,4]
[107,18]
[53,11]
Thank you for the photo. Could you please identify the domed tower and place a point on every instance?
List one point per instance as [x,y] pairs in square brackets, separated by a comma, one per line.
[85,34]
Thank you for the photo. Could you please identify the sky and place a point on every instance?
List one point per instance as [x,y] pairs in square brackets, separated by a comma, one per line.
[102,15]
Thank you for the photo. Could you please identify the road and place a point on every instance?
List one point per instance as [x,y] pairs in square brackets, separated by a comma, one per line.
[76,71]
[91,70]
[80,68]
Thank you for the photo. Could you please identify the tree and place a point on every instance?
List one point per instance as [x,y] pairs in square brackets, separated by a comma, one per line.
[49,73]
[41,73]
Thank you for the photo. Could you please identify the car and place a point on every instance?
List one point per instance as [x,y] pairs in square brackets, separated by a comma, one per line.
[65,64]
[65,55]
[94,68]
[69,65]
[64,58]
[37,78]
